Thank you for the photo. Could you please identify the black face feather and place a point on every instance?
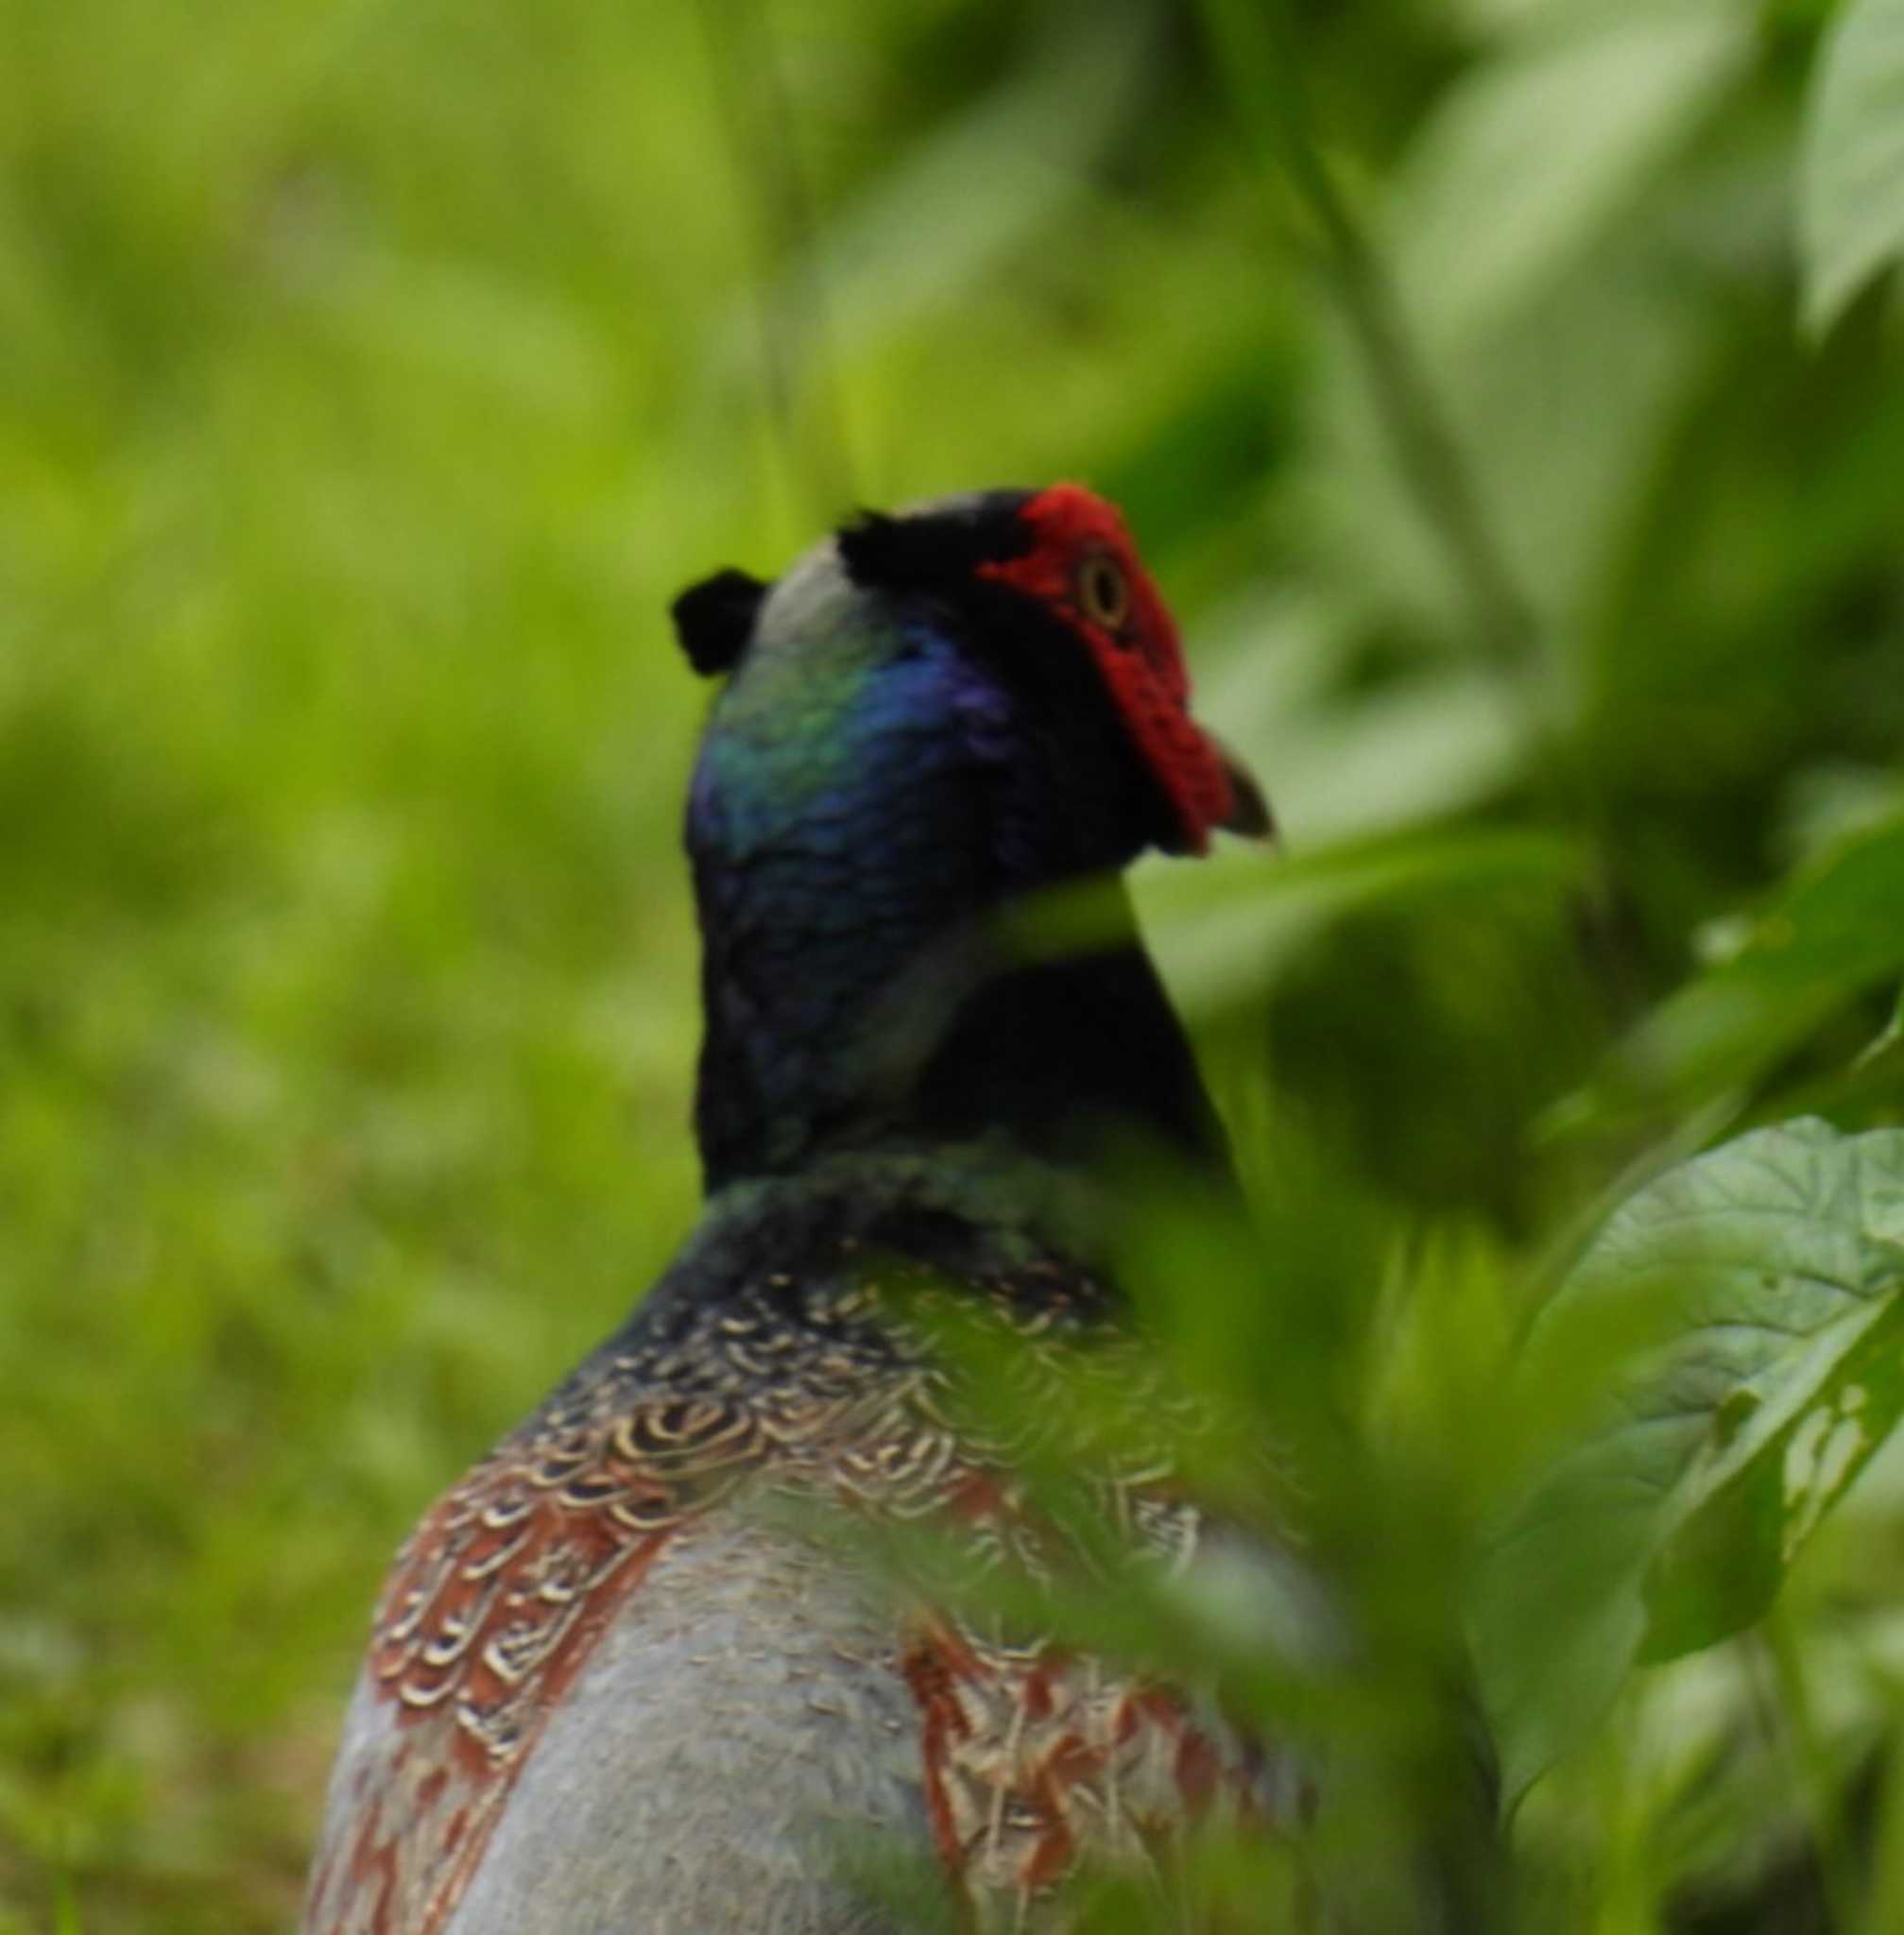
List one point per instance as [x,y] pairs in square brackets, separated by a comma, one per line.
[714,619]
[934,550]
[938,546]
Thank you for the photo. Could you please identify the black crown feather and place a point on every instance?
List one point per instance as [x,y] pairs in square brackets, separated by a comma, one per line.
[937,546]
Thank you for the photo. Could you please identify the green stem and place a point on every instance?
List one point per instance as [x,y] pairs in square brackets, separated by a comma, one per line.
[1812,1771]
[802,385]
[1259,56]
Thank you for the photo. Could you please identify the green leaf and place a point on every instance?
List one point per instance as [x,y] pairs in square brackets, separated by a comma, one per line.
[1831,934]
[1533,156]
[1764,1284]
[1852,167]
[1219,930]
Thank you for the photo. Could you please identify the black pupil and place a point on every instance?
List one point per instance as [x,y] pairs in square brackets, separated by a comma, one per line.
[1103,591]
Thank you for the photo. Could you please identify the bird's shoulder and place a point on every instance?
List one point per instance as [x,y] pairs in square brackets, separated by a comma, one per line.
[779,1358]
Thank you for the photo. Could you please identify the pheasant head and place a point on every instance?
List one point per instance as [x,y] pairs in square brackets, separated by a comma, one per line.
[927,716]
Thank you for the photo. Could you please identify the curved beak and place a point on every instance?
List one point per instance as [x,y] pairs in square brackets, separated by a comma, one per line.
[1249,813]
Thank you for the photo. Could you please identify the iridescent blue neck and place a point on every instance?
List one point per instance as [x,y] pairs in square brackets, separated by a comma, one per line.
[868,797]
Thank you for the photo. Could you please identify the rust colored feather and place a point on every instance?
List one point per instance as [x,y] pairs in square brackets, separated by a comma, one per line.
[1028,1756]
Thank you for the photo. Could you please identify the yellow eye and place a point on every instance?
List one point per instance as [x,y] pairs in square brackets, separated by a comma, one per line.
[1103,591]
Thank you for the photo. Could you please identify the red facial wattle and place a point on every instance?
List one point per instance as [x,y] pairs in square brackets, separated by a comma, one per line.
[1140,660]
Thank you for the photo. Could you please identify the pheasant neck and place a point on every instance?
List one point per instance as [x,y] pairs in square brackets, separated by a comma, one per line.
[832,1053]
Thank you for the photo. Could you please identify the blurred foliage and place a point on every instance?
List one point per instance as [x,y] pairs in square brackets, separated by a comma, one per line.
[1507,392]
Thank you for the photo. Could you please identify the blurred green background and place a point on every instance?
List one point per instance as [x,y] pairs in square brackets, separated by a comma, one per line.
[374,371]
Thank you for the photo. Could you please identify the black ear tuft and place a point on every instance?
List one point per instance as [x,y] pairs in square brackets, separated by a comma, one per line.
[714,620]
